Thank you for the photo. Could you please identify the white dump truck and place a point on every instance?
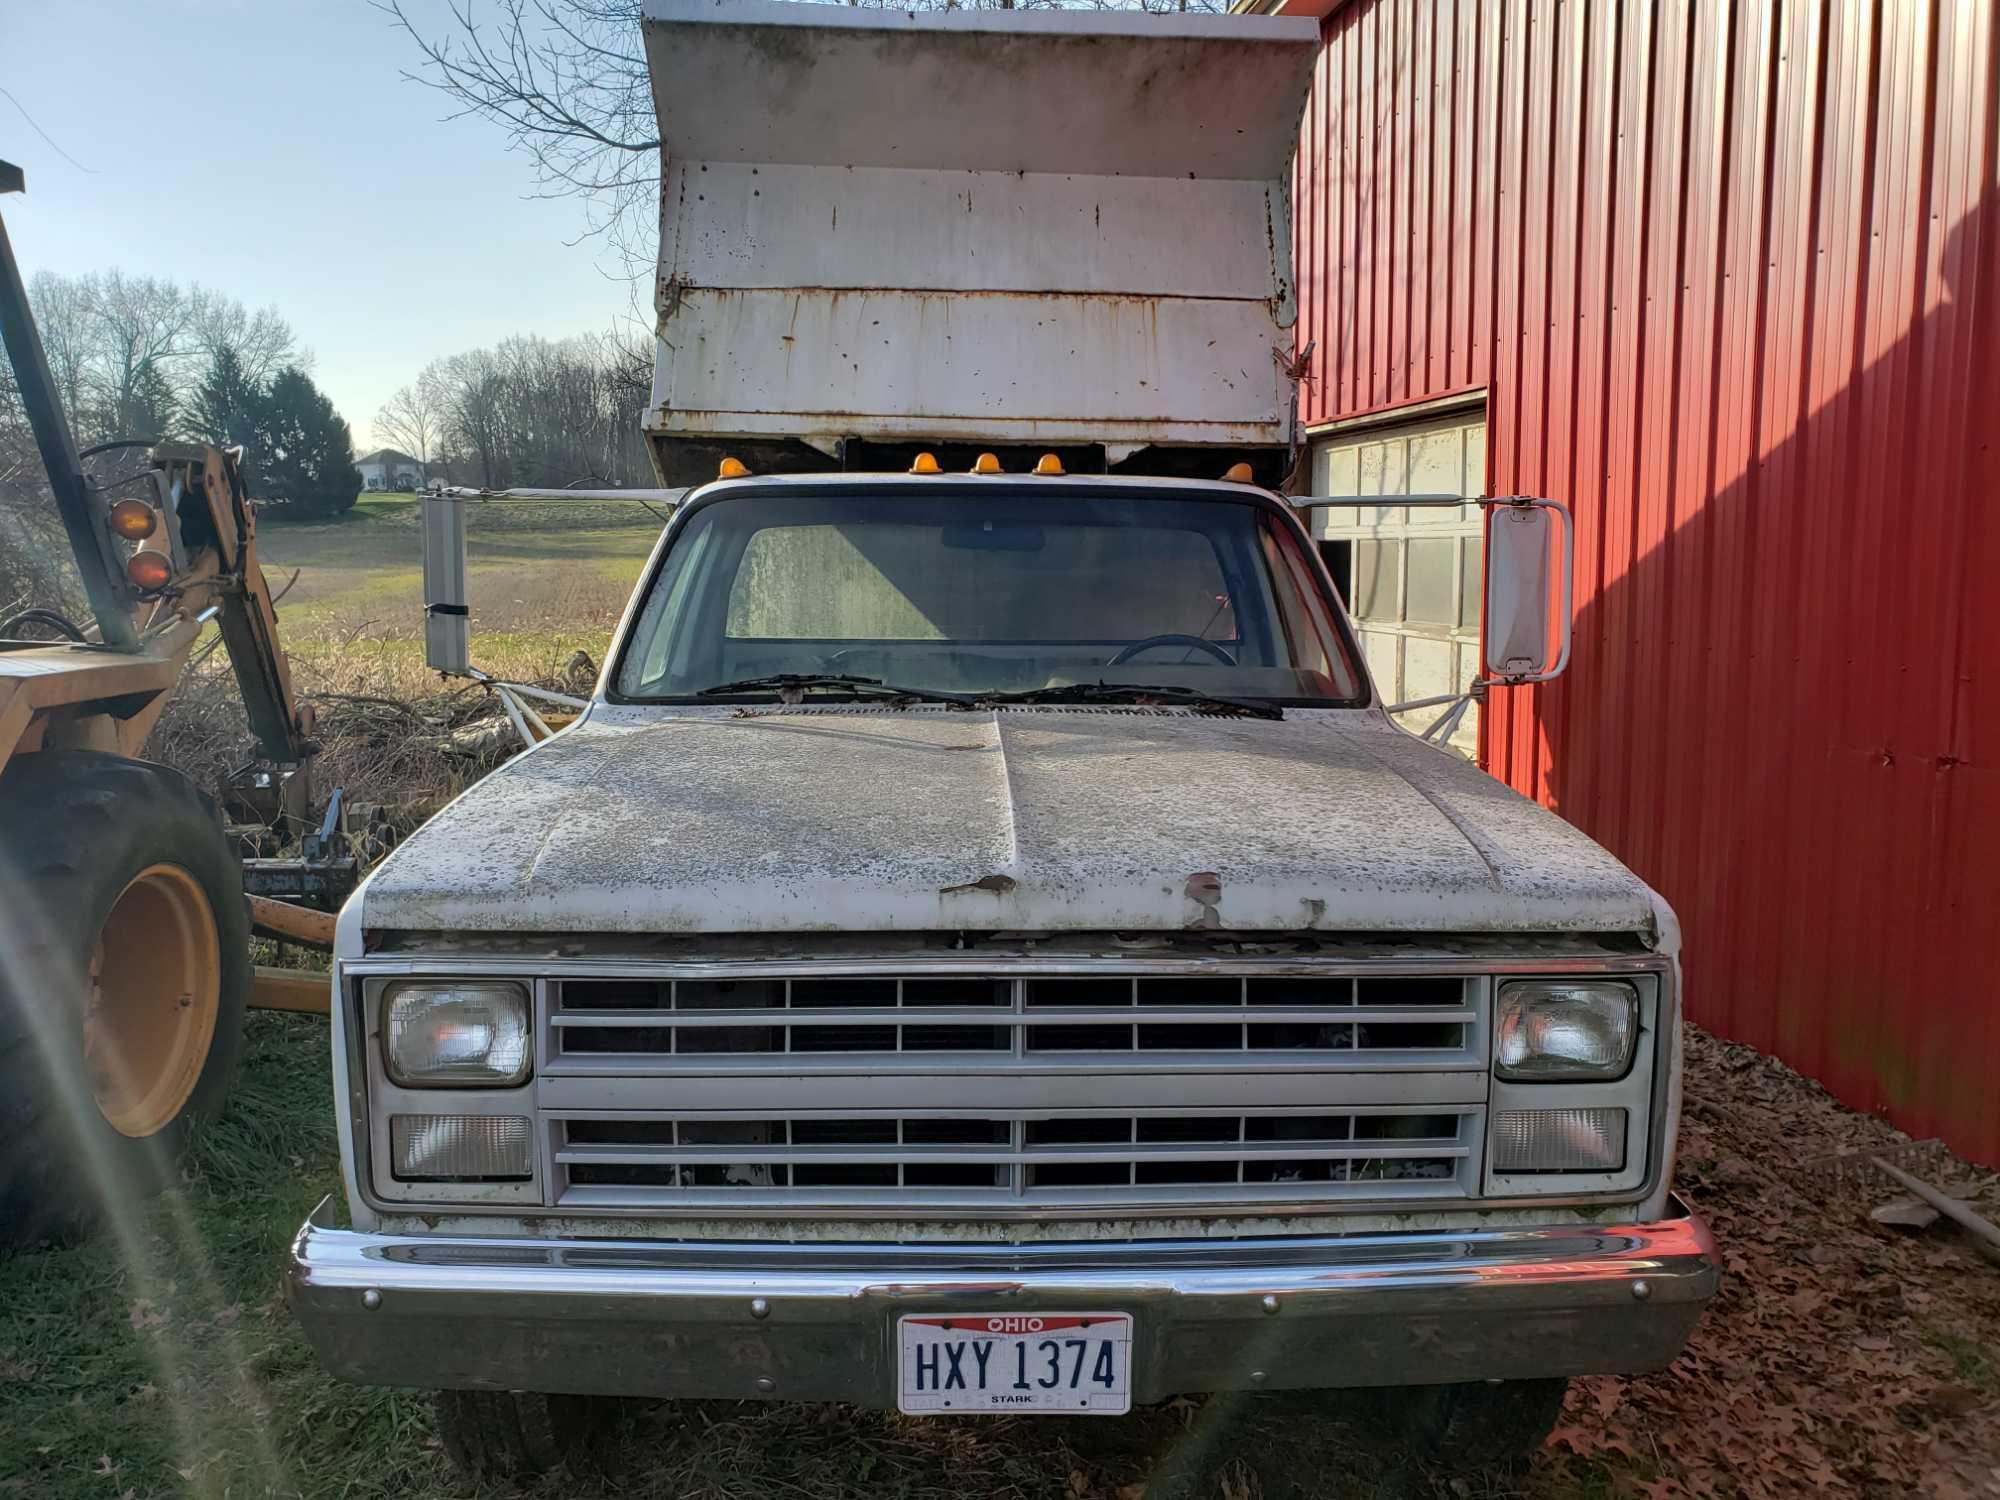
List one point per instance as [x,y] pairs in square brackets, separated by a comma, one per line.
[985,946]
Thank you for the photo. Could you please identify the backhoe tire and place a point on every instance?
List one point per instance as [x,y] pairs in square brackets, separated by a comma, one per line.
[126,970]
[491,1435]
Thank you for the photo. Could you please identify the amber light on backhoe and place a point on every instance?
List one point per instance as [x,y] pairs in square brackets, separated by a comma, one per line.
[134,520]
[149,570]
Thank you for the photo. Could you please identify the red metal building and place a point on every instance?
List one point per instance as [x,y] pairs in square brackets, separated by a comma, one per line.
[1726,277]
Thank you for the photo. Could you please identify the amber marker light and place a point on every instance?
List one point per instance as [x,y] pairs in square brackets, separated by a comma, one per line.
[149,570]
[134,520]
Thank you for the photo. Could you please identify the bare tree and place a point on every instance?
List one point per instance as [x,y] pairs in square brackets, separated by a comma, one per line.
[469,387]
[542,411]
[410,419]
[143,323]
[66,312]
[128,352]
[264,342]
[566,81]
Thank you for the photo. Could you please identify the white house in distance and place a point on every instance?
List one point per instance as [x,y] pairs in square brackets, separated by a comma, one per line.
[390,469]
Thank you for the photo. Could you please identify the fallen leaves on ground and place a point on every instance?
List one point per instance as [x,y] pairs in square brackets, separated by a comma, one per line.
[1843,1356]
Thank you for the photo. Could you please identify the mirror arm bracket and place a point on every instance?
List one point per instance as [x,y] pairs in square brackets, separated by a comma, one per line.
[1447,724]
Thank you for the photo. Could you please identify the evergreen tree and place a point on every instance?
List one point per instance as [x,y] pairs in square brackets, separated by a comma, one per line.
[149,408]
[223,409]
[304,451]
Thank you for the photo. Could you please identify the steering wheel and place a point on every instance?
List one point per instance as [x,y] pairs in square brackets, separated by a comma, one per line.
[1172,638]
[837,661]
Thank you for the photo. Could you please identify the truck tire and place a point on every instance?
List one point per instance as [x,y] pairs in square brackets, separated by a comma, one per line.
[1478,1426]
[121,1000]
[491,1435]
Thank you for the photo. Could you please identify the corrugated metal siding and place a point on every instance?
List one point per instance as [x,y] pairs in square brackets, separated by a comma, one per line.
[1729,274]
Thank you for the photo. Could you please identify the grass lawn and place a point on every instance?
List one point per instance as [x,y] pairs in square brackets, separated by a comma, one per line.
[155,1358]
[158,1359]
[544,580]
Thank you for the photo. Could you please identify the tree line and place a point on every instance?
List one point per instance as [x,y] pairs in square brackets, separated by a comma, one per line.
[146,357]
[529,411]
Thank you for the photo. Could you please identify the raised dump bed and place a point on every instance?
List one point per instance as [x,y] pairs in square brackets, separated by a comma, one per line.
[1019,231]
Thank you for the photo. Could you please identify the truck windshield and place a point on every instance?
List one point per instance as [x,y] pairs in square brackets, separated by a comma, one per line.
[970,591]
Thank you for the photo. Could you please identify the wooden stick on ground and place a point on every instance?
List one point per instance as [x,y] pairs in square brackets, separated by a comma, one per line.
[297,924]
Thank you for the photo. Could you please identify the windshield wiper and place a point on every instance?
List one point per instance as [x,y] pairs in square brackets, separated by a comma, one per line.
[791,687]
[1136,692]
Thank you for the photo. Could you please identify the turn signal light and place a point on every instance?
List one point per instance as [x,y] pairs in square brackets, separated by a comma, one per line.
[987,463]
[134,519]
[1559,1140]
[731,468]
[1238,474]
[149,570]
[1048,463]
[462,1148]
[925,463]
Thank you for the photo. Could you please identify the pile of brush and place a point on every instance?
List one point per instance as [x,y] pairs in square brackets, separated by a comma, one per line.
[408,754]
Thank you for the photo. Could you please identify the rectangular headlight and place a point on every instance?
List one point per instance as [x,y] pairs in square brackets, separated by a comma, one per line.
[457,1033]
[461,1148]
[1559,1140]
[1568,1031]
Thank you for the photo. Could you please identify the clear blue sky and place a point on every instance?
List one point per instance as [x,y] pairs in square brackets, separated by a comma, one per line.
[306,172]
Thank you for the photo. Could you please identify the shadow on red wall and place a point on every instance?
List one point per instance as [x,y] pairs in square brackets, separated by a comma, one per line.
[1786,714]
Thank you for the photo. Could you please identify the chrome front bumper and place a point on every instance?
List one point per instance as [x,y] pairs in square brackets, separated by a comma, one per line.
[817,1322]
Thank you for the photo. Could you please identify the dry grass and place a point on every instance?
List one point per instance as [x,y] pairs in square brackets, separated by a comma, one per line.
[546,581]
[543,580]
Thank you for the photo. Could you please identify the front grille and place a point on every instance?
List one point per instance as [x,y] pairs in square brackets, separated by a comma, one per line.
[695,1022]
[906,1090]
[1017,1159]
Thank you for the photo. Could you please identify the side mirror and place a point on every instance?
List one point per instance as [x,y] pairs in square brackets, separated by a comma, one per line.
[1530,592]
[1527,624]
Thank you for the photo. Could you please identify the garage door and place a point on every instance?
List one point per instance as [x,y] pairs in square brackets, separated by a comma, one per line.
[1412,577]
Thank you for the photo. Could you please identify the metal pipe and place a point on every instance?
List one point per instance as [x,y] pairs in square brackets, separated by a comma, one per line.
[513,707]
[531,492]
[84,518]
[560,700]
[535,720]
[1979,1227]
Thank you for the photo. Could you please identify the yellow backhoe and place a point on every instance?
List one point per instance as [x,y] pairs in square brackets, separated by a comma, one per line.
[125,962]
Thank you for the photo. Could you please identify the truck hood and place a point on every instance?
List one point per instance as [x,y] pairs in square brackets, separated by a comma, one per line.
[873,819]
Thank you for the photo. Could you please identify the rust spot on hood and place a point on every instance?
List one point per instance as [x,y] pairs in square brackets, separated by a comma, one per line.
[999,885]
[1204,888]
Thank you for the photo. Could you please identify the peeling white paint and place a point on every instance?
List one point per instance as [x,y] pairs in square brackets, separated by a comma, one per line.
[872,225]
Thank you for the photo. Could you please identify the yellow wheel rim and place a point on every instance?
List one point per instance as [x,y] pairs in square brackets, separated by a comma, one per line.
[155,992]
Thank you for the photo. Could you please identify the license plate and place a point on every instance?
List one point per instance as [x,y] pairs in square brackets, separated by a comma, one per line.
[997,1362]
